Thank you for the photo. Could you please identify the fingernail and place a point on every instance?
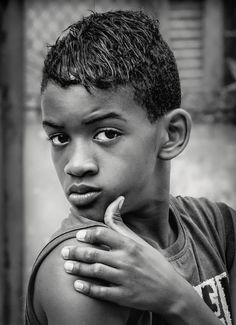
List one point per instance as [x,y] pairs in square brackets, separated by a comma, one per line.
[122,199]
[81,235]
[69,266]
[65,252]
[78,285]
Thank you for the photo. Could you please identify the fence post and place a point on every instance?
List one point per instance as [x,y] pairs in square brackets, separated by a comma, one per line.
[11,202]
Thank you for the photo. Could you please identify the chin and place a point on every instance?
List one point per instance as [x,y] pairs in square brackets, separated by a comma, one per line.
[92,213]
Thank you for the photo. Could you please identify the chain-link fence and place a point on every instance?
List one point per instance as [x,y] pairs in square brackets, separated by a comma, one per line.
[44,21]
[188,26]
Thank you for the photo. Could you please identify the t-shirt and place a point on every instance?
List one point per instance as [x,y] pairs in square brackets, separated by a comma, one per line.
[203,254]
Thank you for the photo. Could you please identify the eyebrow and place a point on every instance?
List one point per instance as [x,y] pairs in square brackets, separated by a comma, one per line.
[52,125]
[90,120]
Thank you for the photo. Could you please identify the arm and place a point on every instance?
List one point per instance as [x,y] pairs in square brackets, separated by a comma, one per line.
[142,277]
[56,301]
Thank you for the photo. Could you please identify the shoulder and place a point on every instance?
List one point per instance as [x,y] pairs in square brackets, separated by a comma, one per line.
[215,220]
[204,211]
[56,301]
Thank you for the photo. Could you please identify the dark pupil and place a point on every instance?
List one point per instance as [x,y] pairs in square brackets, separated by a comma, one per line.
[110,134]
[62,138]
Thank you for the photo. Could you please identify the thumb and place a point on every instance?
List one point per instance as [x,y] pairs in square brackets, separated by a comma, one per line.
[113,219]
[112,216]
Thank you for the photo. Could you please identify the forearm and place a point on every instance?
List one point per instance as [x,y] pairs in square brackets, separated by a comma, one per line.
[190,309]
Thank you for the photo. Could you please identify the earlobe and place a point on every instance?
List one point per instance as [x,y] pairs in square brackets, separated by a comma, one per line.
[177,128]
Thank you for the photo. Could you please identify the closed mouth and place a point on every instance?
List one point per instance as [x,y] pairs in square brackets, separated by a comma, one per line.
[82,195]
[85,199]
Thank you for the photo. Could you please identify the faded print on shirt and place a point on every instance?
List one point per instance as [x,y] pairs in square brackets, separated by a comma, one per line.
[215,293]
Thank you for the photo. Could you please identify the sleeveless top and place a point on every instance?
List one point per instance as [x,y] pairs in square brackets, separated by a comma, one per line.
[203,253]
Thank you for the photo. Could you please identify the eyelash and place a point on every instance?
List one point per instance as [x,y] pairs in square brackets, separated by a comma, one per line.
[117,133]
[52,137]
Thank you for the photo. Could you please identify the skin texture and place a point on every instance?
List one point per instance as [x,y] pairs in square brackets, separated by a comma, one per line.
[90,159]
[124,156]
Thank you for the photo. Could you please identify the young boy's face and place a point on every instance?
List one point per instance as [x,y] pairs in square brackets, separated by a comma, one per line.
[103,146]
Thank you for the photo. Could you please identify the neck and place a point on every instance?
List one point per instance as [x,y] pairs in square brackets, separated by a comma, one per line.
[151,219]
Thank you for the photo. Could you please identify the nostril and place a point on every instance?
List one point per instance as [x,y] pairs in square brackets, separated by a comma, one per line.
[81,169]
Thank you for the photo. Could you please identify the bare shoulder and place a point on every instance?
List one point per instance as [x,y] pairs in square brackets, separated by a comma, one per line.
[56,301]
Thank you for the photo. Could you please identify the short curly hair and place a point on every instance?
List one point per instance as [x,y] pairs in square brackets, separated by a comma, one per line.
[117,48]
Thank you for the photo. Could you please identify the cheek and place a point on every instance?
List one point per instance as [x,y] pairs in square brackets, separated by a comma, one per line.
[132,169]
[143,157]
[142,171]
[59,165]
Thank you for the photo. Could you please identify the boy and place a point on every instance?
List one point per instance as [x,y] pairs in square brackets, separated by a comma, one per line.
[110,108]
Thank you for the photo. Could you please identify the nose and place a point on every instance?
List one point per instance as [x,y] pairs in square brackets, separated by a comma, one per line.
[81,160]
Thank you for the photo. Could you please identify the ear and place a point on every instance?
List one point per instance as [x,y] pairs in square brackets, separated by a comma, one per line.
[177,127]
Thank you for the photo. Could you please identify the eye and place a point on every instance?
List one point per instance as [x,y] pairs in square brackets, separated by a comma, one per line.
[107,135]
[59,139]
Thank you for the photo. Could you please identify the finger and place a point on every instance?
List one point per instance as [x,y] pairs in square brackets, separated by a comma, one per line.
[95,271]
[89,255]
[101,236]
[112,293]
[112,217]
[114,220]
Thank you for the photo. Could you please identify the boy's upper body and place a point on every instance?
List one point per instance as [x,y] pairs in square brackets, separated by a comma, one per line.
[110,107]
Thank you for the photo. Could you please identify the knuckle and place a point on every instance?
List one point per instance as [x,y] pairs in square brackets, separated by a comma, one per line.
[90,290]
[95,291]
[98,292]
[76,268]
[76,252]
[88,255]
[130,296]
[132,248]
[102,292]
[98,233]
[97,269]
[117,219]
[95,254]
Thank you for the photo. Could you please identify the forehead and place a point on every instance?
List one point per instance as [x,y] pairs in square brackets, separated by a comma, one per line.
[76,102]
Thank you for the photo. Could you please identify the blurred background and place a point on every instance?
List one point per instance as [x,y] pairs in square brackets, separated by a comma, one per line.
[202,34]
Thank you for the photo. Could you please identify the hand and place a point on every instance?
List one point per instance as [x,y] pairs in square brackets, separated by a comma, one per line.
[137,275]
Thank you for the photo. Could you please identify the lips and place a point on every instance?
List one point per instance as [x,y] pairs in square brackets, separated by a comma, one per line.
[82,195]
